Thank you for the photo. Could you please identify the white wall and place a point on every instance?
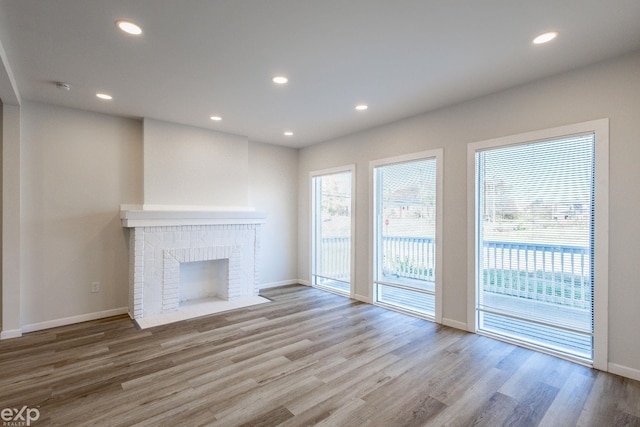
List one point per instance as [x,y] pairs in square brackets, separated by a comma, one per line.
[273,188]
[77,168]
[11,213]
[610,89]
[184,165]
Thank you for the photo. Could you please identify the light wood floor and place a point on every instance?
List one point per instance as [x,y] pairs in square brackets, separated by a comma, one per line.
[309,357]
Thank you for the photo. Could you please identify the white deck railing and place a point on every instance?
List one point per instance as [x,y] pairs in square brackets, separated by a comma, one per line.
[551,273]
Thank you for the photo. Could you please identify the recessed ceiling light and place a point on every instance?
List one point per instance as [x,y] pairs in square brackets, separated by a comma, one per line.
[216,118]
[361,107]
[545,38]
[288,133]
[280,80]
[129,27]
[105,96]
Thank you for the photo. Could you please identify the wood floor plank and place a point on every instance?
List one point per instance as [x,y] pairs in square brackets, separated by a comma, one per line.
[308,357]
[495,411]
[568,404]
[531,408]
[470,407]
[342,415]
[274,417]
[468,367]
[604,402]
[355,383]
[628,401]
[251,406]
[321,404]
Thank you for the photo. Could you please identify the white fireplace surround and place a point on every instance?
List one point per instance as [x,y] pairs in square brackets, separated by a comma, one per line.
[163,238]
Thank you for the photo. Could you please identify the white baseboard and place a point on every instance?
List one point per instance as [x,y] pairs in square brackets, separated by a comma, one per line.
[454,323]
[11,333]
[624,371]
[280,283]
[304,282]
[74,319]
[363,298]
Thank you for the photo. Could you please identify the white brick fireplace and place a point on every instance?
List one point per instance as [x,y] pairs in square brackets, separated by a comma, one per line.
[161,240]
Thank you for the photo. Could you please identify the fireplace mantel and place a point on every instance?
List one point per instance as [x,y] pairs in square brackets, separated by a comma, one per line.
[162,238]
[167,215]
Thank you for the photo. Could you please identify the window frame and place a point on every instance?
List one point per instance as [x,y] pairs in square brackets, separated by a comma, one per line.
[438,155]
[351,168]
[600,129]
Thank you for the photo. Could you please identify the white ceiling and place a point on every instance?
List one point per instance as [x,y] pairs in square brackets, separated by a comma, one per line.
[197,58]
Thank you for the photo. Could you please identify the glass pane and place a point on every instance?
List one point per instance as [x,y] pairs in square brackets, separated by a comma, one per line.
[405,233]
[559,340]
[407,299]
[336,285]
[332,231]
[535,205]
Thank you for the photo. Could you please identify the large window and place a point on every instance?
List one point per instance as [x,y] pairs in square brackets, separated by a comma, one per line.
[539,218]
[406,256]
[332,225]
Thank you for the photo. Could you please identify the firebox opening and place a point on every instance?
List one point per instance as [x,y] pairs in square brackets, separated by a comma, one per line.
[204,280]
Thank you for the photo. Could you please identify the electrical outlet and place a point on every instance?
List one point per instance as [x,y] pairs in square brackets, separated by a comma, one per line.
[95,287]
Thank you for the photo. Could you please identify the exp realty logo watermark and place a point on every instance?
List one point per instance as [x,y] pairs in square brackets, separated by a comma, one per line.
[18,417]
